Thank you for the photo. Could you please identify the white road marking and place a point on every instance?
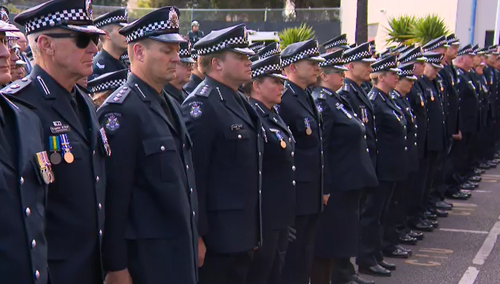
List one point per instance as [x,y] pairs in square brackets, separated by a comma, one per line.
[469,276]
[464,231]
[464,204]
[488,245]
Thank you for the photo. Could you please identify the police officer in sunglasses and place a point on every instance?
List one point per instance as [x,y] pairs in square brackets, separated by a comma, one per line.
[63,40]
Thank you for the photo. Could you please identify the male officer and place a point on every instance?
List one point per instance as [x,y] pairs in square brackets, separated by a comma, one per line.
[24,174]
[113,43]
[63,54]
[297,108]
[226,133]
[336,43]
[269,50]
[196,75]
[151,228]
[175,87]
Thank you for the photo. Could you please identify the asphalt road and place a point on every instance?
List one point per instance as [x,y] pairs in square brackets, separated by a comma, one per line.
[464,249]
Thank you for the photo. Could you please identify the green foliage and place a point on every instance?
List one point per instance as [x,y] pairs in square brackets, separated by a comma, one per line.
[429,28]
[400,29]
[295,34]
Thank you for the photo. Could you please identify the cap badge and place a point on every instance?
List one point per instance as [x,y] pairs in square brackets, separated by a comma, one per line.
[173,18]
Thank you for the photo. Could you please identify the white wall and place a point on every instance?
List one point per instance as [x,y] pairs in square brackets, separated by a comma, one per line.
[485,19]
[447,9]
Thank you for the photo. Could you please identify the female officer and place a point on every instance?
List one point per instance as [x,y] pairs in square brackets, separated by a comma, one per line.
[278,189]
[348,171]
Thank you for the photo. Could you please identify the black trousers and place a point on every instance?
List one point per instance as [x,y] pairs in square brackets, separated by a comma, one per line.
[335,271]
[395,215]
[433,178]
[372,212]
[268,260]
[300,253]
[417,192]
[225,268]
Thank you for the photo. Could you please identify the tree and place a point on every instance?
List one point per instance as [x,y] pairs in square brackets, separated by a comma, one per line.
[401,29]
[295,34]
[362,21]
[429,28]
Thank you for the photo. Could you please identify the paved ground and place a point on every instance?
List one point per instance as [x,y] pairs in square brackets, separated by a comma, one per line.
[464,249]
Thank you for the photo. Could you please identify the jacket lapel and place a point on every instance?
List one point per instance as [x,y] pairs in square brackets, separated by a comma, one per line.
[233,106]
[91,115]
[62,106]
[362,96]
[4,158]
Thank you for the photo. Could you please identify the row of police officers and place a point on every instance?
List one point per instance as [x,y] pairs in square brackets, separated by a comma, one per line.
[221,164]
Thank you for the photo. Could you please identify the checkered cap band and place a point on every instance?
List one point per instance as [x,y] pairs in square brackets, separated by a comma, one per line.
[53,18]
[436,45]
[194,56]
[332,62]
[152,27]
[184,53]
[434,59]
[385,66]
[336,43]
[408,72]
[228,43]
[276,51]
[111,20]
[268,69]
[302,55]
[110,85]
[465,51]
[411,57]
[357,56]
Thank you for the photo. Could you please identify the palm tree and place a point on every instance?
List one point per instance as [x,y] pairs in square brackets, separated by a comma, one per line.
[401,29]
[361,21]
[429,28]
[295,34]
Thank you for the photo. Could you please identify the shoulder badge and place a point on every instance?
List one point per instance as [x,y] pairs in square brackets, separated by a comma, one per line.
[16,86]
[118,96]
[100,66]
[203,90]
[112,121]
[322,95]
[195,110]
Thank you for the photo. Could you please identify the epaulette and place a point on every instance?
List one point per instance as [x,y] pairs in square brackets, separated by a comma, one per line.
[19,101]
[394,97]
[322,95]
[346,87]
[203,90]
[372,95]
[118,96]
[16,86]
[460,71]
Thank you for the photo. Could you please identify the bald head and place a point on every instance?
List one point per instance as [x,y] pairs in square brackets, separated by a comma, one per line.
[22,42]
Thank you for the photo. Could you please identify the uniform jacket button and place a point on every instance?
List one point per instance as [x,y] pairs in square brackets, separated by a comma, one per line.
[93,152]
[293,168]
[292,154]
[97,178]
[33,244]
[293,182]
[194,213]
[37,274]
[27,211]
[191,190]
[162,148]
[239,136]
[99,206]
[100,233]
[21,180]
[187,167]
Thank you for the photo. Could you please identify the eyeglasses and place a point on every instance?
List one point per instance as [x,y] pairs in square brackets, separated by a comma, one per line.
[82,40]
[185,64]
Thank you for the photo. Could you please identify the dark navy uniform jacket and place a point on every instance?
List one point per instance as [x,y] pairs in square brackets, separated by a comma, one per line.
[436,120]
[361,104]
[416,98]
[23,193]
[75,215]
[299,112]
[178,95]
[449,78]
[151,190]
[104,63]
[492,80]
[194,81]
[392,136]
[278,170]
[227,147]
[347,161]
[411,128]
[469,103]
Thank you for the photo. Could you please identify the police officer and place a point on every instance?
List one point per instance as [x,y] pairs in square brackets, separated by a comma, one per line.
[113,43]
[24,174]
[436,144]
[278,171]
[227,136]
[196,75]
[348,171]
[403,191]
[102,86]
[392,161]
[75,211]
[151,165]
[182,74]
[300,63]
[416,218]
[491,76]
[336,43]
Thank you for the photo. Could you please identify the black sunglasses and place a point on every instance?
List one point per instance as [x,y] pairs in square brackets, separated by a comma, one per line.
[82,40]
